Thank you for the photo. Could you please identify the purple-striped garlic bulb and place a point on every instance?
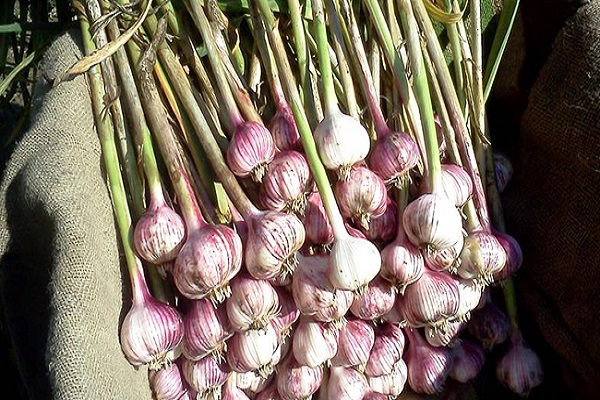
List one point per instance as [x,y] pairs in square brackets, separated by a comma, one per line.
[362,196]
[283,128]
[206,376]
[387,350]
[469,357]
[231,391]
[206,330]
[252,304]
[273,240]
[288,314]
[355,341]
[481,257]
[384,228]
[286,182]
[167,383]
[394,155]
[490,325]
[314,342]
[446,335]
[503,170]
[428,367]
[252,383]
[376,301]
[346,384]
[250,150]
[447,259]
[391,384]
[209,259]
[296,381]
[471,293]
[316,223]
[456,184]
[520,368]
[514,256]
[253,350]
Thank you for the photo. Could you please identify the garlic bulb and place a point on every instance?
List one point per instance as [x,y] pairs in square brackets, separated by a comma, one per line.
[341,142]
[503,170]
[361,196]
[286,182]
[346,384]
[432,221]
[253,303]
[206,329]
[520,368]
[283,128]
[375,396]
[313,342]
[269,393]
[316,223]
[470,297]
[353,263]
[396,314]
[514,256]
[206,376]
[387,350]
[167,383]
[431,300]
[210,257]
[469,357]
[401,261]
[273,240]
[355,341]
[456,184]
[393,156]
[446,335]
[288,313]
[490,325]
[481,257]
[231,391]
[376,301]
[296,381]
[250,150]
[159,233]
[253,350]
[251,382]
[383,229]
[391,384]
[428,367]
[445,259]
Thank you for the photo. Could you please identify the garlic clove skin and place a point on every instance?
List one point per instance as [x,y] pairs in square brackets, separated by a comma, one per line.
[296,381]
[393,156]
[252,304]
[151,330]
[391,384]
[432,221]
[447,259]
[471,293]
[167,383]
[428,367]
[206,329]
[520,368]
[286,182]
[490,325]
[456,184]
[253,350]
[514,256]
[401,262]
[315,220]
[159,234]
[376,301]
[387,350]
[361,196]
[273,240]
[250,150]
[288,313]
[210,257]
[283,128]
[341,142]
[231,391]
[481,257]
[206,376]
[355,341]
[353,263]
[447,336]
[313,343]
[469,357]
[251,382]
[383,229]
[346,384]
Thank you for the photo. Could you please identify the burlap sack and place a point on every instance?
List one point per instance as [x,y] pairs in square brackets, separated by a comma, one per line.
[552,207]
[63,290]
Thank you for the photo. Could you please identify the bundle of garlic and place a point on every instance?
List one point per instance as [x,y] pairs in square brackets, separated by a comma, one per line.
[297,248]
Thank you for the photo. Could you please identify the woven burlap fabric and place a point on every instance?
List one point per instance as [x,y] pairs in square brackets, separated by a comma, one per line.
[552,207]
[64,292]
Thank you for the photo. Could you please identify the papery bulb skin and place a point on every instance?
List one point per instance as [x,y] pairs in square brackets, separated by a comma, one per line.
[393,156]
[432,221]
[503,170]
[250,150]
[447,259]
[288,313]
[316,223]
[520,368]
[159,234]
[469,357]
[431,300]
[362,196]
[354,232]
[401,262]
[383,229]
[206,330]
[353,263]
[341,142]
[428,367]
[471,293]
[273,240]
[490,325]
[346,384]
[396,314]
[514,256]
[167,383]
[313,342]
[286,182]
[446,336]
[296,381]
[391,384]
[283,128]
[251,382]
[313,293]
[456,184]
[208,260]
[252,304]
[387,350]
[481,257]
[151,330]
[355,341]
[376,301]
[206,376]
[253,350]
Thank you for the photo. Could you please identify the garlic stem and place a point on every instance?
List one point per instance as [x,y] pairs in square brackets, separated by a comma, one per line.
[331,102]
[310,149]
